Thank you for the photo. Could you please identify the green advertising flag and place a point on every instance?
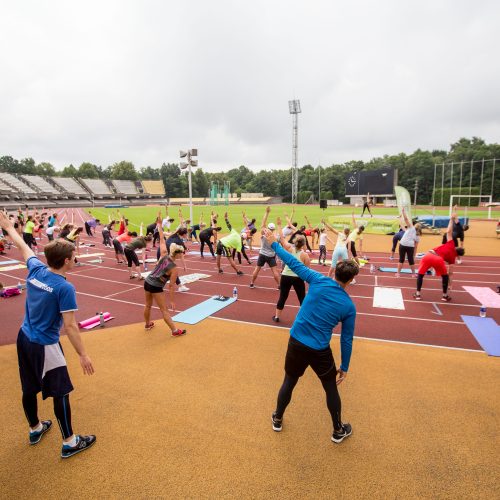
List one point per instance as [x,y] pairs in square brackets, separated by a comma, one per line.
[374,225]
[403,200]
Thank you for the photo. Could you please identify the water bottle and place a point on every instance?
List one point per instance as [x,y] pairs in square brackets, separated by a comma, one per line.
[20,287]
[86,249]
[101,319]
[235,293]
[372,268]
[482,312]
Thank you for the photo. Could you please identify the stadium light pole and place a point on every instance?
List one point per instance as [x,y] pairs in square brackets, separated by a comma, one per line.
[188,164]
[294,109]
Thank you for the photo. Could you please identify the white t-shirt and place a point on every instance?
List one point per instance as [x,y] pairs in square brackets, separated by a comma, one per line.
[288,231]
[50,230]
[409,238]
[341,239]
[322,238]
[166,223]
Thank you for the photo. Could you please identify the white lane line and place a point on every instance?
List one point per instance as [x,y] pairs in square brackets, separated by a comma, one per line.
[437,310]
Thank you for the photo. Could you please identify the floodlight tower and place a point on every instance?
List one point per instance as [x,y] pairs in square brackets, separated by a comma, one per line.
[294,108]
[190,163]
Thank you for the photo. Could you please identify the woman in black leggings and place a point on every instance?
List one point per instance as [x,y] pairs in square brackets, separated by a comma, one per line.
[288,278]
[205,239]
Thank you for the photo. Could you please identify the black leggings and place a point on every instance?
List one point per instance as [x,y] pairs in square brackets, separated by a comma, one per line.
[366,207]
[332,398]
[406,251]
[239,255]
[62,410]
[445,282]
[88,230]
[395,241]
[322,253]
[209,243]
[106,238]
[286,284]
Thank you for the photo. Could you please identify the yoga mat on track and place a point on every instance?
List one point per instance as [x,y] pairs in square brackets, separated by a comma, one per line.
[201,311]
[388,298]
[486,332]
[12,268]
[85,255]
[484,295]
[395,270]
[94,321]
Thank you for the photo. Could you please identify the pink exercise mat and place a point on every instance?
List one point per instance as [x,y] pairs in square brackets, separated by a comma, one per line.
[94,321]
[484,295]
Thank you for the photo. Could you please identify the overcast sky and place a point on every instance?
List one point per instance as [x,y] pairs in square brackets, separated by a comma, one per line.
[104,81]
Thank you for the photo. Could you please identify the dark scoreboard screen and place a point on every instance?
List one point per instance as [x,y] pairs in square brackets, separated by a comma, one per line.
[377,182]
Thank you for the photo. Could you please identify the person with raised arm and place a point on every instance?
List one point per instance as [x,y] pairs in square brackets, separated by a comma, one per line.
[165,270]
[409,244]
[366,205]
[266,254]
[354,235]
[340,250]
[438,258]
[327,304]
[50,305]
[226,245]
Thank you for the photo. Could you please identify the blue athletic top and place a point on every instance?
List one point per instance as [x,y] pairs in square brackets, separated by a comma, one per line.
[326,304]
[48,296]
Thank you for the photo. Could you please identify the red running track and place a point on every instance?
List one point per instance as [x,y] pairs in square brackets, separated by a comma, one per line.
[107,287]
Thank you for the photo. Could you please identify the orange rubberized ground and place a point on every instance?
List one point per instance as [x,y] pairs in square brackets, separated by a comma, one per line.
[190,418]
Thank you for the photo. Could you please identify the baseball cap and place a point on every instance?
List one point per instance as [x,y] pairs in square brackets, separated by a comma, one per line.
[271,226]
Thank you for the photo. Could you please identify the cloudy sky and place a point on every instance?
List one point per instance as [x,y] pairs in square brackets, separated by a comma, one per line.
[110,80]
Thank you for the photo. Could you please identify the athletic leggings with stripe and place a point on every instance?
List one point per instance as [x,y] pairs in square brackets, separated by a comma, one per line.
[62,410]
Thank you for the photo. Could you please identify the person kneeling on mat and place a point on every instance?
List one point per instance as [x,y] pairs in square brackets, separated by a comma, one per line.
[437,258]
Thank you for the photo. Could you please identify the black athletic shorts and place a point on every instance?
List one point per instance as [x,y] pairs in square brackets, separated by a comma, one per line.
[264,259]
[42,368]
[117,246]
[406,251]
[299,357]
[151,288]
[222,250]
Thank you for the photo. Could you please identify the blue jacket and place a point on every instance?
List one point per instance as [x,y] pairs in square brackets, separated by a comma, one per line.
[326,304]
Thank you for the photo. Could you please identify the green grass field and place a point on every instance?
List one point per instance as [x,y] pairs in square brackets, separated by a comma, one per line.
[147,214]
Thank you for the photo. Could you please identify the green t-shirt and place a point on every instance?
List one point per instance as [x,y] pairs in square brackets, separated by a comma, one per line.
[28,228]
[232,240]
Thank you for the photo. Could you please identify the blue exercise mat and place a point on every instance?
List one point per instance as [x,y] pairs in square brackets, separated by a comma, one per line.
[203,310]
[440,221]
[8,262]
[486,332]
[395,270]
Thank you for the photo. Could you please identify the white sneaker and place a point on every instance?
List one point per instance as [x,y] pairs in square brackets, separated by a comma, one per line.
[183,288]
[353,282]
[459,261]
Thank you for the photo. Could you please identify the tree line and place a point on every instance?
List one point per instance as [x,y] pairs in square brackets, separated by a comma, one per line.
[417,166]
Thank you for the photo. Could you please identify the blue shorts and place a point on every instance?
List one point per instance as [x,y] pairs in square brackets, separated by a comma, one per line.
[339,252]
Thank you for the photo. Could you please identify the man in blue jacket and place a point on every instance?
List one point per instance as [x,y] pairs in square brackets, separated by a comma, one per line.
[326,304]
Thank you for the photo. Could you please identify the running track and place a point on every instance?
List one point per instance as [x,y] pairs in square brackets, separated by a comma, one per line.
[107,287]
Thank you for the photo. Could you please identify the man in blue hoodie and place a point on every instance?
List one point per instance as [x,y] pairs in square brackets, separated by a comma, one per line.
[326,304]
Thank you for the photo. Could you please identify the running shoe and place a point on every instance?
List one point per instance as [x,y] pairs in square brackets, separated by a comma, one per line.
[459,261]
[446,298]
[276,319]
[178,333]
[149,326]
[82,443]
[220,271]
[353,282]
[251,285]
[183,288]
[36,436]
[132,276]
[339,436]
[239,273]
[417,296]
[277,423]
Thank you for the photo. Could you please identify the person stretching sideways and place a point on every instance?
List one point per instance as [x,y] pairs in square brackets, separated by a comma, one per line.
[226,245]
[353,237]
[165,270]
[458,232]
[50,304]
[340,250]
[266,255]
[326,304]
[129,249]
[438,258]
[366,205]
[409,244]
[396,239]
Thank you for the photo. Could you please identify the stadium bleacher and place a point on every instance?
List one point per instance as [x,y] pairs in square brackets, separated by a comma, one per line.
[126,188]
[97,187]
[4,188]
[42,185]
[18,184]
[153,188]
[70,186]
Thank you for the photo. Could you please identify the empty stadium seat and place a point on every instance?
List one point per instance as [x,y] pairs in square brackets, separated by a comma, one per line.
[69,185]
[97,187]
[125,187]
[42,185]
[17,184]
[155,188]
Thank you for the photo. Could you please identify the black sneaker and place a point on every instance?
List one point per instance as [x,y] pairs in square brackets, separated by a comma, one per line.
[35,437]
[277,423]
[339,436]
[251,285]
[417,296]
[220,271]
[239,273]
[445,298]
[82,444]
[276,319]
